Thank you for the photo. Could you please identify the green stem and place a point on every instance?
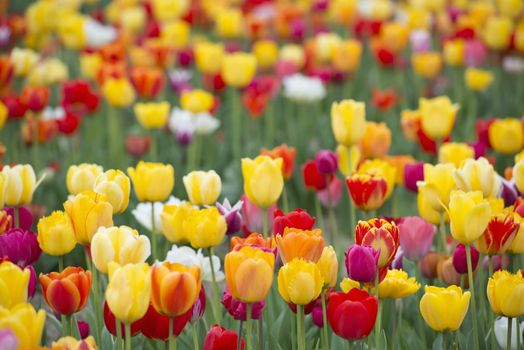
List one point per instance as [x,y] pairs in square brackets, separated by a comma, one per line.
[293,332]
[60,263]
[216,310]
[491,316]
[350,344]
[17,216]
[318,210]
[270,124]
[195,336]
[65,327]
[172,338]
[260,334]
[118,327]
[285,200]
[300,328]
[333,225]
[443,246]
[96,297]
[75,332]
[379,315]
[153,234]
[153,150]
[325,344]
[474,304]
[239,339]
[236,121]
[509,335]
[248,326]
[398,311]
[127,328]
[265,224]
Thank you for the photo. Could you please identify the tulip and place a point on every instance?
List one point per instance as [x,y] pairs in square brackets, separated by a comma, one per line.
[20,246]
[187,256]
[172,221]
[205,228]
[348,121]
[497,32]
[202,187]
[381,168]
[88,211]
[219,338]
[208,57]
[444,309]
[499,234]
[174,288]
[299,281]
[288,158]
[437,116]
[26,324]
[254,239]
[19,184]
[115,185]
[199,307]
[437,185]
[314,180]
[128,291]
[379,234]
[478,79]
[238,69]
[428,265]
[36,98]
[454,52]
[347,55]
[413,173]
[447,273]
[455,152]
[397,285]
[154,325]
[352,315]
[121,245]
[152,115]
[253,268]
[110,323]
[232,215]
[328,266]
[376,141]
[5,221]
[506,136]
[327,162]
[253,217]
[460,259]
[66,292]
[263,180]
[478,175]
[72,343]
[518,175]
[266,52]
[427,64]
[148,82]
[362,263]
[295,243]
[82,177]
[25,217]
[367,192]
[298,218]
[197,101]
[14,283]
[469,215]
[238,309]
[348,159]
[56,235]
[427,212]
[152,181]
[504,293]
[416,237]
[118,92]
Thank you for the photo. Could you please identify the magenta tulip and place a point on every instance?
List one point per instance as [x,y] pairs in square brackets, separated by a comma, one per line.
[460,259]
[362,263]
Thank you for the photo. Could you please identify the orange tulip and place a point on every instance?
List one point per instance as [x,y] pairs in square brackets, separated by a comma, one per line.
[148,82]
[296,243]
[174,287]
[376,141]
[288,157]
[253,239]
[66,292]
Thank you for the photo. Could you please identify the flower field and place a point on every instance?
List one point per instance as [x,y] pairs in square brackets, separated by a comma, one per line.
[261,174]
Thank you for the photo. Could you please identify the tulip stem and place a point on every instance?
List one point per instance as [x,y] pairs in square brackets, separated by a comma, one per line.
[285,200]
[248,326]
[324,321]
[60,263]
[293,333]
[172,338]
[65,326]
[127,328]
[153,150]
[379,315]
[236,119]
[518,333]
[96,300]
[491,317]
[118,327]
[16,215]
[443,249]
[239,339]
[509,335]
[153,234]
[265,224]
[216,310]
[300,328]
[474,304]
[260,334]
[195,335]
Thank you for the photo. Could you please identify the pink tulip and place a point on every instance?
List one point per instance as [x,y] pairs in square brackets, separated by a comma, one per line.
[330,196]
[252,217]
[362,263]
[416,236]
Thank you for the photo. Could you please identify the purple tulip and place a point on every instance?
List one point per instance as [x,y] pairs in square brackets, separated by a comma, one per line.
[362,263]
[500,262]
[327,162]
[398,260]
[31,287]
[416,237]
[20,247]
[83,328]
[184,137]
[460,259]
[237,309]
[232,215]
[199,307]
[25,218]
[8,340]
[316,315]
[412,174]
[509,192]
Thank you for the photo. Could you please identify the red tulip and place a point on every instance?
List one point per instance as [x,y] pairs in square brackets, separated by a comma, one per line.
[137,145]
[379,233]
[6,73]
[78,97]
[110,323]
[298,218]
[384,100]
[314,180]
[156,326]
[69,124]
[368,192]
[352,315]
[219,338]
[499,234]
[15,106]
[66,292]
[258,94]
[35,98]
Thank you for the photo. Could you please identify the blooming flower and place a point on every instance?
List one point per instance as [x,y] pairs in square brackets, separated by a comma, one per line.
[189,257]
[302,88]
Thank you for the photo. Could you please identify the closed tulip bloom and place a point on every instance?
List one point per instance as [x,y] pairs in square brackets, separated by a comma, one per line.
[296,243]
[347,55]
[397,285]
[174,287]
[437,185]
[497,32]
[153,182]
[288,158]
[455,152]
[88,211]
[263,180]
[444,309]
[266,52]
[379,234]
[208,57]
[367,192]
[128,291]
[478,79]
[438,116]
[348,121]
[205,228]
[220,338]
[299,282]
[229,23]
[238,69]
[328,266]
[518,175]
[459,259]
[148,82]
[469,215]
[70,343]
[82,177]
[505,291]
[383,168]
[116,186]
[152,115]
[56,235]
[499,234]
[66,292]
[376,141]
[416,237]
[254,239]
[121,245]
[19,184]
[314,180]
[197,101]
[202,187]
[249,273]
[517,245]
[172,219]
[25,322]
[352,315]
[427,64]
[478,175]
[118,92]
[20,246]
[13,284]
[506,136]
[362,263]
[454,52]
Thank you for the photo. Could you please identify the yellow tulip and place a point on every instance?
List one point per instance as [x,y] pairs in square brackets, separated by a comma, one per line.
[518,174]
[202,187]
[427,64]
[325,45]
[300,282]
[238,69]
[26,324]
[381,10]
[437,185]
[395,36]
[176,33]
[426,211]
[510,8]
[469,215]
[263,180]
[208,57]
[152,115]
[172,219]
[82,177]
[478,79]
[49,71]
[90,64]
[381,168]
[348,121]
[153,182]
[266,52]
[88,211]
[347,55]
[165,10]
[505,291]
[23,60]
[116,186]
[71,30]
[497,32]
[128,291]
[454,52]
[118,92]
[293,53]
[343,11]
[478,175]
[506,135]
[328,266]
[376,141]
[517,245]
[56,235]
[455,152]
[20,183]
[197,101]
[2,189]
[348,284]
[437,116]
[397,285]
[70,343]
[205,228]
[3,114]
[13,284]
[229,23]
[444,309]
[347,155]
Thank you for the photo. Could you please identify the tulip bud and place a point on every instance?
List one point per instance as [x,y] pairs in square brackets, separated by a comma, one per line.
[56,235]
[460,259]
[327,162]
[362,263]
[238,309]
